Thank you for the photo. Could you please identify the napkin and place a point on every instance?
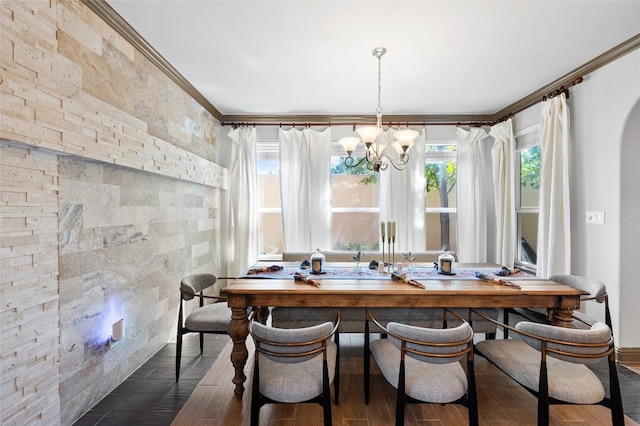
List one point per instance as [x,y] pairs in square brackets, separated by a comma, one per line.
[305,279]
[404,279]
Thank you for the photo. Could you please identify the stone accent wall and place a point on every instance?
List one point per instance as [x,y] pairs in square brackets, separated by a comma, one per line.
[137,207]
[29,302]
[126,240]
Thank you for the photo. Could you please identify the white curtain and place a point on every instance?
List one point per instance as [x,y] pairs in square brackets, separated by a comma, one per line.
[503,161]
[471,198]
[402,197]
[554,231]
[305,187]
[243,237]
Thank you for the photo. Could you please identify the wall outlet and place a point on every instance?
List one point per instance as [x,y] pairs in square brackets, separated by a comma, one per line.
[596,218]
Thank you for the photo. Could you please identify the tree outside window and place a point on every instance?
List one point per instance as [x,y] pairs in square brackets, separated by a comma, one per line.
[440,185]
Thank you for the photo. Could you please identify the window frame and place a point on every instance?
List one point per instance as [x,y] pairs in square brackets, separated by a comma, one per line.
[525,138]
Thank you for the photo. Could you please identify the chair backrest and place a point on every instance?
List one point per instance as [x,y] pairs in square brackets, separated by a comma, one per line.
[195,283]
[569,344]
[290,345]
[437,346]
[596,289]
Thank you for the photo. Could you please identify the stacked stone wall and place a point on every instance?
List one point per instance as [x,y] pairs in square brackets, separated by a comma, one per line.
[110,192]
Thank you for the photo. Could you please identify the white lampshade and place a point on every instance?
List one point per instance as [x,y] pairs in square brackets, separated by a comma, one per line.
[376,149]
[405,137]
[349,143]
[399,148]
[369,133]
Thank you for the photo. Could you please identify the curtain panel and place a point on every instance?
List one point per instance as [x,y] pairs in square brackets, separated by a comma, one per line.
[305,188]
[244,220]
[554,230]
[402,196]
[471,197]
[503,162]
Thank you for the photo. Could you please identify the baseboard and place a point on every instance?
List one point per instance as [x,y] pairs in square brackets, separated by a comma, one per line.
[628,355]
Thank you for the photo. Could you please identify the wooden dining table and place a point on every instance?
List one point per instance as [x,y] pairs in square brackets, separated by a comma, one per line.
[445,291]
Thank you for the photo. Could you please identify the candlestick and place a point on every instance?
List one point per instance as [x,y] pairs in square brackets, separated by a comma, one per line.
[382,247]
[393,250]
[382,230]
[392,229]
[389,250]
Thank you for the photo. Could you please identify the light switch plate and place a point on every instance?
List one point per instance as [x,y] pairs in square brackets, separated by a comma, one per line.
[596,218]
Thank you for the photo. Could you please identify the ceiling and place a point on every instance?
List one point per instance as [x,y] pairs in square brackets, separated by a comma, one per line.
[287,58]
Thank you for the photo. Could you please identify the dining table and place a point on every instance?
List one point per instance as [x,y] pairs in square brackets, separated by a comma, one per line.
[286,284]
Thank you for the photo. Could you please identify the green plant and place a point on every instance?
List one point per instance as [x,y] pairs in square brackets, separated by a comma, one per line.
[408,257]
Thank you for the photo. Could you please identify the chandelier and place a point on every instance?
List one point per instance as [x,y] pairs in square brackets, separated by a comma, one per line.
[376,156]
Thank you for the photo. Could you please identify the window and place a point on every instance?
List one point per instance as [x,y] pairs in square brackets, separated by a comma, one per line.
[271,233]
[355,210]
[527,195]
[440,175]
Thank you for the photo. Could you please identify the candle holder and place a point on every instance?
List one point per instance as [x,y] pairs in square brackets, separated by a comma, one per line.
[389,253]
[393,251]
[383,253]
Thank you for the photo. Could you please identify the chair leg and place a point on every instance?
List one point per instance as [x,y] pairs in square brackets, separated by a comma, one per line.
[367,363]
[336,379]
[505,331]
[326,394]
[178,354]
[255,395]
[400,400]
[201,342]
[543,396]
[471,394]
[617,413]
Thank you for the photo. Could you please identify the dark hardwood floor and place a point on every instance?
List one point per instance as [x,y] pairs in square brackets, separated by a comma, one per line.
[151,395]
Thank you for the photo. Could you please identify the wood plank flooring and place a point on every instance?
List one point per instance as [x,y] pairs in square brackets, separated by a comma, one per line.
[501,401]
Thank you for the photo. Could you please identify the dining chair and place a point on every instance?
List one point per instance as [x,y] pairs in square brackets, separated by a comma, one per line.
[423,364]
[596,291]
[211,318]
[295,365]
[551,363]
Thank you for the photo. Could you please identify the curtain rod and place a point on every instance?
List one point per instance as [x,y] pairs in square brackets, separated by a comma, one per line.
[236,124]
[552,94]
[472,123]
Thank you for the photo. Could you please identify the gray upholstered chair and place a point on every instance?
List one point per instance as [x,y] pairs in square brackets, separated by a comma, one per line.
[551,363]
[210,318]
[423,364]
[295,366]
[596,290]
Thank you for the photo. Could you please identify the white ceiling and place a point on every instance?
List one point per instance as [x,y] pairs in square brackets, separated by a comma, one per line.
[314,57]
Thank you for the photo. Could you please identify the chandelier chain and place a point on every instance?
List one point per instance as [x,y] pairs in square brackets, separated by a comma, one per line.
[379,109]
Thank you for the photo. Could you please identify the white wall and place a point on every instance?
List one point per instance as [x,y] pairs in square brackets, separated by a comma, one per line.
[600,111]
[630,242]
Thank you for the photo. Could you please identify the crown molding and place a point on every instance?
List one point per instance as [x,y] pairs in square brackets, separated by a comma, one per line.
[113,19]
[573,76]
[122,27]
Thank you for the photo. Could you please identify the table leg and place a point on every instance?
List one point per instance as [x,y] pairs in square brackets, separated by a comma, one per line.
[238,331]
[562,317]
